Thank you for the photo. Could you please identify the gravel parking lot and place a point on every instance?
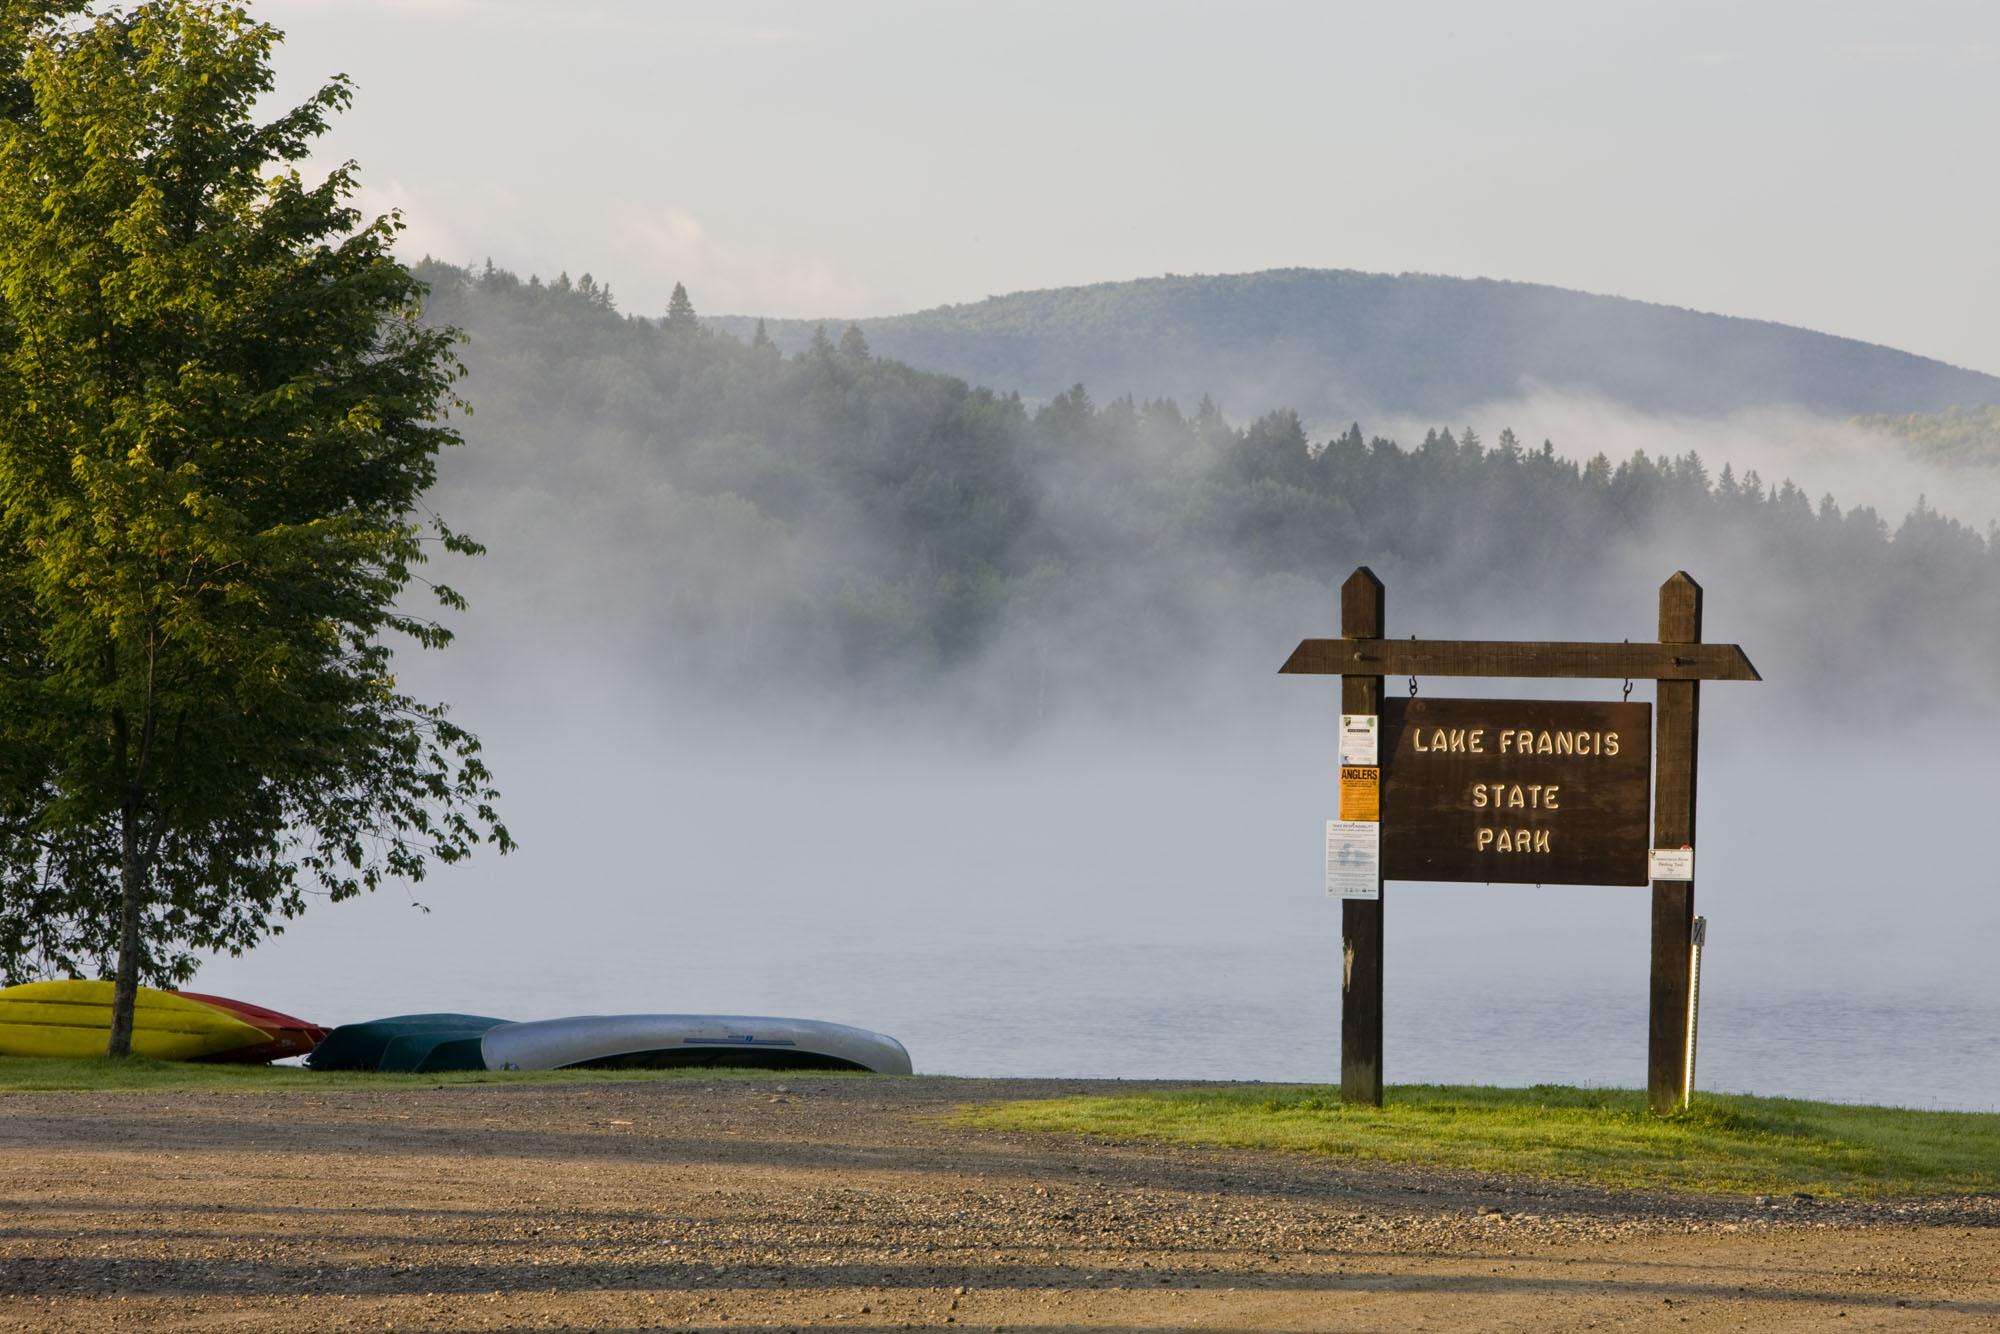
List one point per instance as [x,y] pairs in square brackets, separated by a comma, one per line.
[729,1203]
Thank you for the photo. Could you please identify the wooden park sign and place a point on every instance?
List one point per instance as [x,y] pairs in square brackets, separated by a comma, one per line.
[1516,792]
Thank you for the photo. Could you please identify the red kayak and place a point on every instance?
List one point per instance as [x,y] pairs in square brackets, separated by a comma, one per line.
[287,1036]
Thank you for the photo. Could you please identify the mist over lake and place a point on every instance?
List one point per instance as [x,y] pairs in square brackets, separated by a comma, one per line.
[823,687]
[1146,904]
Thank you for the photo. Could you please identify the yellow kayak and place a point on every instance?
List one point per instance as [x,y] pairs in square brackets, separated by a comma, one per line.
[74,1019]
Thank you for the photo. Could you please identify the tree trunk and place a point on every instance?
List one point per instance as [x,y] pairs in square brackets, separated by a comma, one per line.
[125,994]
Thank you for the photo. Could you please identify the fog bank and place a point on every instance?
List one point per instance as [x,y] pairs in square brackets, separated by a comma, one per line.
[774,742]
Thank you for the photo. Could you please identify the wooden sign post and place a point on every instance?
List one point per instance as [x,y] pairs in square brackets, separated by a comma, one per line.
[1523,791]
[1673,827]
[1361,617]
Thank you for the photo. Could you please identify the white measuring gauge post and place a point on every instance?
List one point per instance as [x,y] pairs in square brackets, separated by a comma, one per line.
[1696,939]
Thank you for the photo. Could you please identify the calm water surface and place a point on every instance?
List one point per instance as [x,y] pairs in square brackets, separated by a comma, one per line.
[1090,912]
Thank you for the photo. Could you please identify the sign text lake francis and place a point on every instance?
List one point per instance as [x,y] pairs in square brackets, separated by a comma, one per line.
[1511,791]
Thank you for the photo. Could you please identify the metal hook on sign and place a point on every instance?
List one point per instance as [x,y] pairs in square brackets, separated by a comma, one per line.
[1627,696]
[1413,675]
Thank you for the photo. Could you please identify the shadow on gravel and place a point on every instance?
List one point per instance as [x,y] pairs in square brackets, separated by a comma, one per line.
[93,1277]
[943,1150]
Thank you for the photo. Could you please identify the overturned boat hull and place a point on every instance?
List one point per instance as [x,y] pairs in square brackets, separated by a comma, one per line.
[405,1043]
[654,1040]
[72,1019]
[286,1036]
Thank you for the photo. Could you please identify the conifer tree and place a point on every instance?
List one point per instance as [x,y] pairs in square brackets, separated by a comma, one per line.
[1067,418]
[680,313]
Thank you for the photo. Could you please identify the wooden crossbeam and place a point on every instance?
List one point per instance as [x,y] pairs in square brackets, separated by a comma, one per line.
[1500,657]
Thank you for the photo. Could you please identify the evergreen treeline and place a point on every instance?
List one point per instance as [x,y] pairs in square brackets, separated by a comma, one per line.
[836,518]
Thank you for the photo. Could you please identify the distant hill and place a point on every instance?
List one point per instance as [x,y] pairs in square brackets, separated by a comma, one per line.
[1337,345]
[1957,435]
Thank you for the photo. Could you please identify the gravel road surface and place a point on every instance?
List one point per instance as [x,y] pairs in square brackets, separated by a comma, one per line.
[796,1202]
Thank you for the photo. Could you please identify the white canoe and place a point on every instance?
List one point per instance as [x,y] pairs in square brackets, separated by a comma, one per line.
[690,1039]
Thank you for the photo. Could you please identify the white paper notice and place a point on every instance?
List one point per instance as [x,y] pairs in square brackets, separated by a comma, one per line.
[1353,859]
[1357,738]
[1672,864]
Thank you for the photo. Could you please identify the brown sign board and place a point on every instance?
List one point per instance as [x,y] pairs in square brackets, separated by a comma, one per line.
[1516,791]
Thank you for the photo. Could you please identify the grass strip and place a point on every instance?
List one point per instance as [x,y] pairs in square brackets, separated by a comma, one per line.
[137,1074]
[1724,1143]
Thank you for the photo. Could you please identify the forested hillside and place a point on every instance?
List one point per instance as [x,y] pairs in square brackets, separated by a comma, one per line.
[1956,435]
[835,524]
[1336,344]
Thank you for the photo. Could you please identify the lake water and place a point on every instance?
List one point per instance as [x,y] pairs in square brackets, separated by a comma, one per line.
[1092,909]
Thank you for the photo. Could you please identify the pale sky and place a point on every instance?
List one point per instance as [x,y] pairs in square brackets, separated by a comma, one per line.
[1827,165]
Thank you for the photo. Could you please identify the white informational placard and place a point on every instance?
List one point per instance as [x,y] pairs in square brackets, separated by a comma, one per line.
[1672,863]
[1353,859]
[1357,738]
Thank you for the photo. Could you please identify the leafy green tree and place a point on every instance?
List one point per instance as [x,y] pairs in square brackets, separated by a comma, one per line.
[854,343]
[18,19]
[218,417]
